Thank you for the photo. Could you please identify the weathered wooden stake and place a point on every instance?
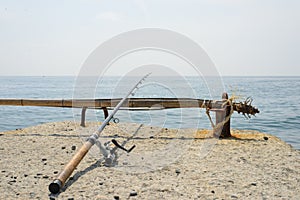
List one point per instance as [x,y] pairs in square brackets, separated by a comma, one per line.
[105,112]
[83,111]
[221,115]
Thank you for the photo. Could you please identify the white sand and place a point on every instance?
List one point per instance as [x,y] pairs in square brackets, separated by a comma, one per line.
[170,165]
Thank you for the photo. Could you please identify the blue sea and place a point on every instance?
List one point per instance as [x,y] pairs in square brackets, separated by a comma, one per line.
[277,98]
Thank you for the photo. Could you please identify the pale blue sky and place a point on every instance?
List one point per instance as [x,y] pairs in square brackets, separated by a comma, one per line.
[242,37]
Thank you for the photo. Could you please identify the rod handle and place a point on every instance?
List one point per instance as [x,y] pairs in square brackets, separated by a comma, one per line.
[59,182]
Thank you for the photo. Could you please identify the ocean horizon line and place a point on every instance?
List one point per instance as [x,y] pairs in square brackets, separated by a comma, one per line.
[224,76]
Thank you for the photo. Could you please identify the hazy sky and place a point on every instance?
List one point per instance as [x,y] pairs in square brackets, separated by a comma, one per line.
[242,37]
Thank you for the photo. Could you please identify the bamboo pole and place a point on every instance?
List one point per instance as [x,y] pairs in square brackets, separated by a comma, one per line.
[240,107]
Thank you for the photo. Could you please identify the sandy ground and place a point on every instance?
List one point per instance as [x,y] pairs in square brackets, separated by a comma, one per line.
[166,164]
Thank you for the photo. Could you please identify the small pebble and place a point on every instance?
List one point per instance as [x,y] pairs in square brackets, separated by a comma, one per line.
[213,191]
[63,147]
[71,198]
[101,183]
[234,196]
[116,197]
[266,138]
[151,137]
[177,171]
[32,194]
[133,193]
[25,175]
[45,176]
[254,184]
[55,172]
[44,159]
[73,148]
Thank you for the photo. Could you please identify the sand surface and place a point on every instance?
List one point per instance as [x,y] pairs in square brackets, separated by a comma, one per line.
[166,164]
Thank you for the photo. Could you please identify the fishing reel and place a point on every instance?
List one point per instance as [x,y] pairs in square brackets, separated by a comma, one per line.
[109,153]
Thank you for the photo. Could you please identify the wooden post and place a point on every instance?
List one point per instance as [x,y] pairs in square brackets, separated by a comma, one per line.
[105,112]
[83,111]
[220,117]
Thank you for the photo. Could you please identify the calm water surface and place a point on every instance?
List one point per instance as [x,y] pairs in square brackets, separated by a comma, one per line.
[276,97]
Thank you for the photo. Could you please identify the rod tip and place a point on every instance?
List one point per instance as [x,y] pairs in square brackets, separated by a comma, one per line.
[55,186]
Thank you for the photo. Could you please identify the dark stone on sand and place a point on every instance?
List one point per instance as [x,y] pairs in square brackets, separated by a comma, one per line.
[266,138]
[253,184]
[71,198]
[133,193]
[73,147]
[55,172]
[151,137]
[44,159]
[101,183]
[213,191]
[63,147]
[25,175]
[177,171]
[116,197]
[45,177]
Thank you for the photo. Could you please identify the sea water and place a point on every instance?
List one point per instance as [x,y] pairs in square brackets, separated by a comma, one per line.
[277,98]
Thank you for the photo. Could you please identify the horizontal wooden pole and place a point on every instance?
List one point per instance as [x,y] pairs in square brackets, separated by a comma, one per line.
[131,103]
[98,103]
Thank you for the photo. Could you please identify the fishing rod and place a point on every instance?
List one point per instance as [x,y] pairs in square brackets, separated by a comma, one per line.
[59,182]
